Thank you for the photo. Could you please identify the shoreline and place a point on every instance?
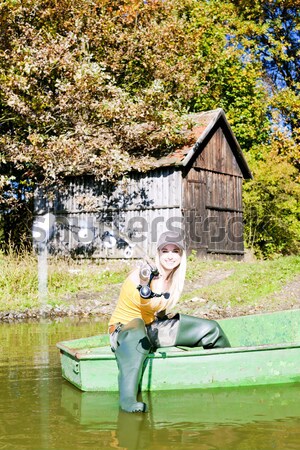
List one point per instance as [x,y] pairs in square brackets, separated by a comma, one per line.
[54,312]
[102,311]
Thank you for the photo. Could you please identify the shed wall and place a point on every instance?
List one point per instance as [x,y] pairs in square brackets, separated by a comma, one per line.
[217,156]
[140,206]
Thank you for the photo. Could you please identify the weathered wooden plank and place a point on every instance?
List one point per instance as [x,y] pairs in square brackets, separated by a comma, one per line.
[218,156]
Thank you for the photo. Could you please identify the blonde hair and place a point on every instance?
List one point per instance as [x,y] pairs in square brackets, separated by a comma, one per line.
[177,282]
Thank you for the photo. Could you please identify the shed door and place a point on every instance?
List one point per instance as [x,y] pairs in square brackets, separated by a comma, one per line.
[213,212]
[194,202]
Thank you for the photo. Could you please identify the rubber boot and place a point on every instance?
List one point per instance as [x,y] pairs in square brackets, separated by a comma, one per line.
[133,348]
[195,332]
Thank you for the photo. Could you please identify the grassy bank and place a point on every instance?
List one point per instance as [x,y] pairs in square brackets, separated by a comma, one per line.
[239,283]
[19,280]
[244,282]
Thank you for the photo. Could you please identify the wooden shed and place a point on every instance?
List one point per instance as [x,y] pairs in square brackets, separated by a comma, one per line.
[196,189]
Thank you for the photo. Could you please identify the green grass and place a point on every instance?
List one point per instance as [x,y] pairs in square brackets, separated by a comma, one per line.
[88,277]
[19,280]
[248,283]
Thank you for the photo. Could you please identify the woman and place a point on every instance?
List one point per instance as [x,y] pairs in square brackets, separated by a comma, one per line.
[140,321]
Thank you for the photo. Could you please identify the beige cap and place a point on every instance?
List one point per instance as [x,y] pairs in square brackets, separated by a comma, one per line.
[170,237]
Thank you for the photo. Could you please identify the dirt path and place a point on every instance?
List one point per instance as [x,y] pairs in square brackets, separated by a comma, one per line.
[287,298]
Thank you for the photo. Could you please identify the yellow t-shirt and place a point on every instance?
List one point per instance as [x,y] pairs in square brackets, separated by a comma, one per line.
[130,305]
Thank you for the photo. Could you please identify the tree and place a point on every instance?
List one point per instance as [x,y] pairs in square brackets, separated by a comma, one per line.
[272,208]
[105,82]
[271,31]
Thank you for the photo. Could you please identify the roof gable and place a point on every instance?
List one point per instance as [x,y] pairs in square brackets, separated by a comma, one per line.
[206,123]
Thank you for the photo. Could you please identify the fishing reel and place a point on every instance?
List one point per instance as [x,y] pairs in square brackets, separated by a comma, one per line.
[147,273]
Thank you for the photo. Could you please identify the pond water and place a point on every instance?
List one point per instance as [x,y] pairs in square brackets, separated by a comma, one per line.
[39,410]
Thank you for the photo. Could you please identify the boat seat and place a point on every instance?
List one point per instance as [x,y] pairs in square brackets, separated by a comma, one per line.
[106,350]
[173,349]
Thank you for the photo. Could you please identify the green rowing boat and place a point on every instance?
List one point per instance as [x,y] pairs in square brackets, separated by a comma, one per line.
[265,350]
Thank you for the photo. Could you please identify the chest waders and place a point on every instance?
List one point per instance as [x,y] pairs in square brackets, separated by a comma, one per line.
[131,352]
[133,346]
[196,332]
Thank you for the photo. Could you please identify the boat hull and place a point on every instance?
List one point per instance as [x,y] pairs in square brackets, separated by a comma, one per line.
[90,365]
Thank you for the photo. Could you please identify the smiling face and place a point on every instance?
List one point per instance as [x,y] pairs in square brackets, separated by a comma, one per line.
[169,257]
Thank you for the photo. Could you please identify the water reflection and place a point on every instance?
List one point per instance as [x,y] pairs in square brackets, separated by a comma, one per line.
[41,411]
[197,419]
[203,408]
